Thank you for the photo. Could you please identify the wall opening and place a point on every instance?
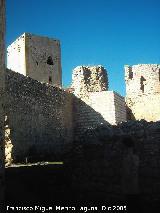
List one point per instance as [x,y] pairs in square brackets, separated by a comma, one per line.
[130,73]
[50,60]
[142,83]
[50,79]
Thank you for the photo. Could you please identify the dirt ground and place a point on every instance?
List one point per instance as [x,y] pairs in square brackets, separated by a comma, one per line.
[52,185]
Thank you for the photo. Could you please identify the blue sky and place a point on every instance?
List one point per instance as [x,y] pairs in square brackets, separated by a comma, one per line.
[92,32]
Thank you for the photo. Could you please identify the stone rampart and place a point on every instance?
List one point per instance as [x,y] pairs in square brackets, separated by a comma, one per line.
[105,107]
[39,118]
[119,160]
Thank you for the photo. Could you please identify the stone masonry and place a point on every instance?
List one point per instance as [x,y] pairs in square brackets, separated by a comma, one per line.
[38,122]
[41,119]
[101,156]
[37,57]
[2,91]
[89,79]
[95,105]
[88,124]
[40,109]
[143,91]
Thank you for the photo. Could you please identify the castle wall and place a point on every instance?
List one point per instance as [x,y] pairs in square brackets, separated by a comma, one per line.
[95,105]
[2,96]
[89,79]
[37,57]
[39,117]
[104,161]
[104,103]
[120,108]
[145,107]
[143,91]
[106,107]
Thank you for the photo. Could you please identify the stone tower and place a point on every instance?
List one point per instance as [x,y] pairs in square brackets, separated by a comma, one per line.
[89,79]
[94,105]
[37,57]
[2,90]
[143,91]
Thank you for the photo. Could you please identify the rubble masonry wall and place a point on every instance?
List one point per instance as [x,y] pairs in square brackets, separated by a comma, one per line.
[106,107]
[102,156]
[39,117]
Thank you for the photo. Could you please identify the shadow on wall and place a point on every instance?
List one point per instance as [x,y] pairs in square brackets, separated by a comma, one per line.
[42,121]
[107,164]
[130,115]
[85,118]
[121,161]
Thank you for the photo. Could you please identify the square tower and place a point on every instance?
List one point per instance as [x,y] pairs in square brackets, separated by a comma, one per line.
[37,57]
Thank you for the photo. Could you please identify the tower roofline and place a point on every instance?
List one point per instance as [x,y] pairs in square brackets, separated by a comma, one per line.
[26,34]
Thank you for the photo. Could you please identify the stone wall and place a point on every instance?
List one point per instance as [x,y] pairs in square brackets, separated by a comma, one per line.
[120,108]
[16,55]
[38,118]
[119,160]
[144,107]
[89,79]
[106,107]
[94,105]
[2,96]
[143,91]
[36,56]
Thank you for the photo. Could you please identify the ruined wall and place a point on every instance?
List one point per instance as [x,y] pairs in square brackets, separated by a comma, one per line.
[89,79]
[106,107]
[2,96]
[39,118]
[143,91]
[101,159]
[37,57]
[95,105]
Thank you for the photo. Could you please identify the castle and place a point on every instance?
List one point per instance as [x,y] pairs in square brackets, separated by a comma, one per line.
[41,116]
[42,119]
